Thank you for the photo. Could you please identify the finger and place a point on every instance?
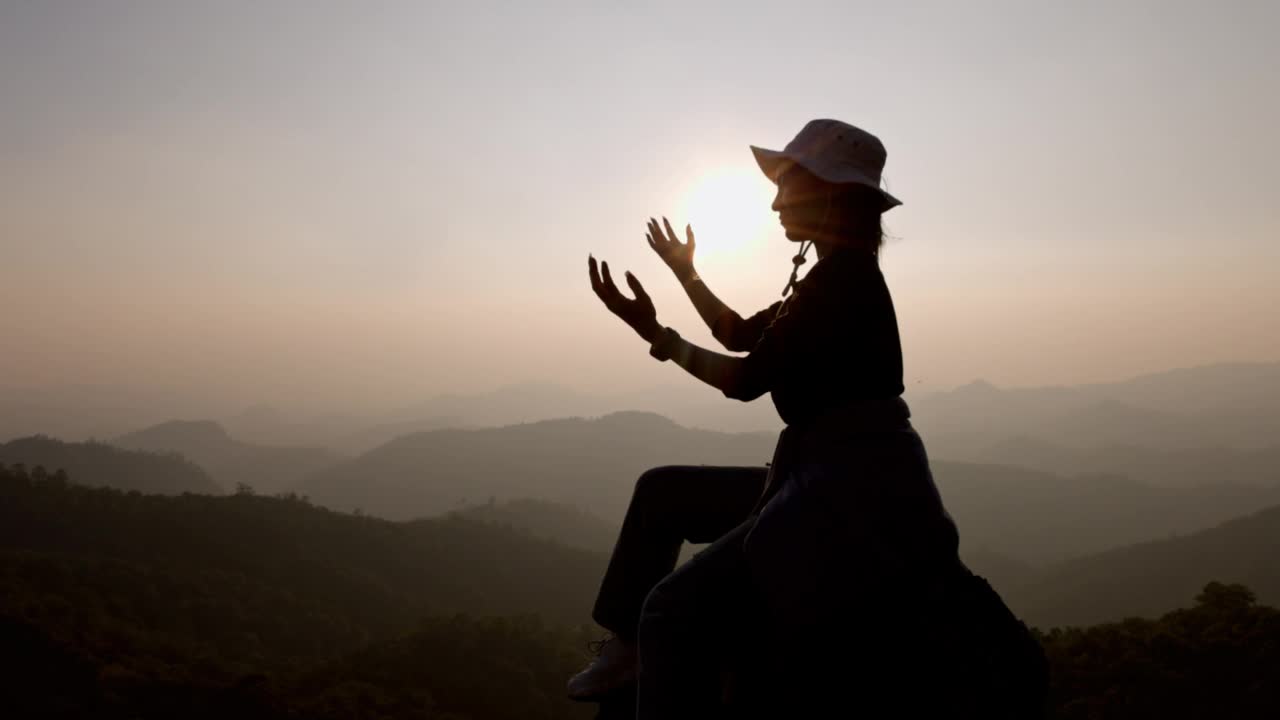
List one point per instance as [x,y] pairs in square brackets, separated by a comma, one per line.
[656,232]
[688,232]
[596,285]
[637,288]
[658,229]
[670,232]
[649,239]
[610,289]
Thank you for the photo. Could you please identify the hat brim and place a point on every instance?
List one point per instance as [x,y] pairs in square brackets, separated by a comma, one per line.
[774,162]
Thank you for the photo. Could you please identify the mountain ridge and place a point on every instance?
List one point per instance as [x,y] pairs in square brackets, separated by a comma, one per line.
[593,463]
[1144,579]
[102,465]
[230,461]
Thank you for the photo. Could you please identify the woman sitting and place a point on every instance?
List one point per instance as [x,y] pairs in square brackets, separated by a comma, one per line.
[844,534]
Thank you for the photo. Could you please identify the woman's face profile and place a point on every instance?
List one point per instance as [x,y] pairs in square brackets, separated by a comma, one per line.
[802,203]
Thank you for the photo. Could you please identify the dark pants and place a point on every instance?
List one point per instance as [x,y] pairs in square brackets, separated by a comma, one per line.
[683,621]
[670,506]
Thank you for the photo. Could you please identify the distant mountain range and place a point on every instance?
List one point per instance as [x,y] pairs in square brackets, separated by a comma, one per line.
[1147,579]
[97,464]
[1024,515]
[1179,467]
[590,463]
[1036,517]
[266,468]
[496,545]
[1033,475]
[1228,405]
[1232,405]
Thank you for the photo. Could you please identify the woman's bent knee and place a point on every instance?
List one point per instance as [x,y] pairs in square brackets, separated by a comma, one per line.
[658,480]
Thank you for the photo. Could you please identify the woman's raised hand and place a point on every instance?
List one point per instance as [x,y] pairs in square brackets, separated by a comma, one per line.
[677,255]
[638,313]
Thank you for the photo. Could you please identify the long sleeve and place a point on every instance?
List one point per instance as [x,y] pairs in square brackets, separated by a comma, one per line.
[742,335]
[789,333]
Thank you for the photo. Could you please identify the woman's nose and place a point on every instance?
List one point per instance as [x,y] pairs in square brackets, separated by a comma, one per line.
[777,200]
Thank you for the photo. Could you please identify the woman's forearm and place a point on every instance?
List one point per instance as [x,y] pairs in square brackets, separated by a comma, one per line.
[725,373]
[722,320]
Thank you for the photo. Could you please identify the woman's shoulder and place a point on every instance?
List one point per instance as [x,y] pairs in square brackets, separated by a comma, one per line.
[843,271]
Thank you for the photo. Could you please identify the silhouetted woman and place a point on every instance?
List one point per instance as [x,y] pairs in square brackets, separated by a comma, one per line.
[843,538]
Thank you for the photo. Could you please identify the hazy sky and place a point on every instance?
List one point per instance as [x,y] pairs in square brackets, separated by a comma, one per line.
[331,202]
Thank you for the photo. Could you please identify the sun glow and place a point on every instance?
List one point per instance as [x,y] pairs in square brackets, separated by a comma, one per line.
[729,211]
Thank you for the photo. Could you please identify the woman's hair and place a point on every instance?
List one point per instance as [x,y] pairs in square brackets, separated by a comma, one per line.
[859,217]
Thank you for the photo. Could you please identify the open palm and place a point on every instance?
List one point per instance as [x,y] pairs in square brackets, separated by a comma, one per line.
[677,255]
[638,313]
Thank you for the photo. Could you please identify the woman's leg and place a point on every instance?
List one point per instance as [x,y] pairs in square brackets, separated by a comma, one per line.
[689,623]
[670,506]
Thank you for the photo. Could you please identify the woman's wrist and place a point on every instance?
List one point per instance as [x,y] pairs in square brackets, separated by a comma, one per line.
[686,274]
[650,331]
[663,342]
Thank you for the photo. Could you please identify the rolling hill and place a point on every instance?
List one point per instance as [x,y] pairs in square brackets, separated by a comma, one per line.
[1175,467]
[118,604]
[1027,516]
[1229,405]
[1149,578]
[98,464]
[589,463]
[351,576]
[229,461]
[1036,517]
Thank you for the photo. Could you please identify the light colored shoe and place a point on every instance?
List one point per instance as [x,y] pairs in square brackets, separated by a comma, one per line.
[613,668]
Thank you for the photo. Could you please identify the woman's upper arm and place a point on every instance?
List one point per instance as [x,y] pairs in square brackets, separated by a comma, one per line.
[739,335]
[761,367]
[806,325]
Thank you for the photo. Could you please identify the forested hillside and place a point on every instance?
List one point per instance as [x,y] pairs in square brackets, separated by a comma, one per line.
[1150,578]
[343,577]
[545,519]
[117,604]
[1220,658]
[99,464]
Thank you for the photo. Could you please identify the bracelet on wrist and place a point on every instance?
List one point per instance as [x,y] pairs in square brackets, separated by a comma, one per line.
[663,344]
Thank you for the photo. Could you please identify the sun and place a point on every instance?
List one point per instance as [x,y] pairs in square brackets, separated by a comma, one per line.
[729,211]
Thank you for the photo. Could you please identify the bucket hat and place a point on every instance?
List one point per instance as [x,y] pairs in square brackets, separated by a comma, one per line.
[835,152]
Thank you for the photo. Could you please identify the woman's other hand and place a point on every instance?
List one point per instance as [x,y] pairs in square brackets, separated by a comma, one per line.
[638,313]
[677,255]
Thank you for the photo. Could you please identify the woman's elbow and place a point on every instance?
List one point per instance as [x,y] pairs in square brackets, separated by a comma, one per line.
[727,330]
[741,388]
